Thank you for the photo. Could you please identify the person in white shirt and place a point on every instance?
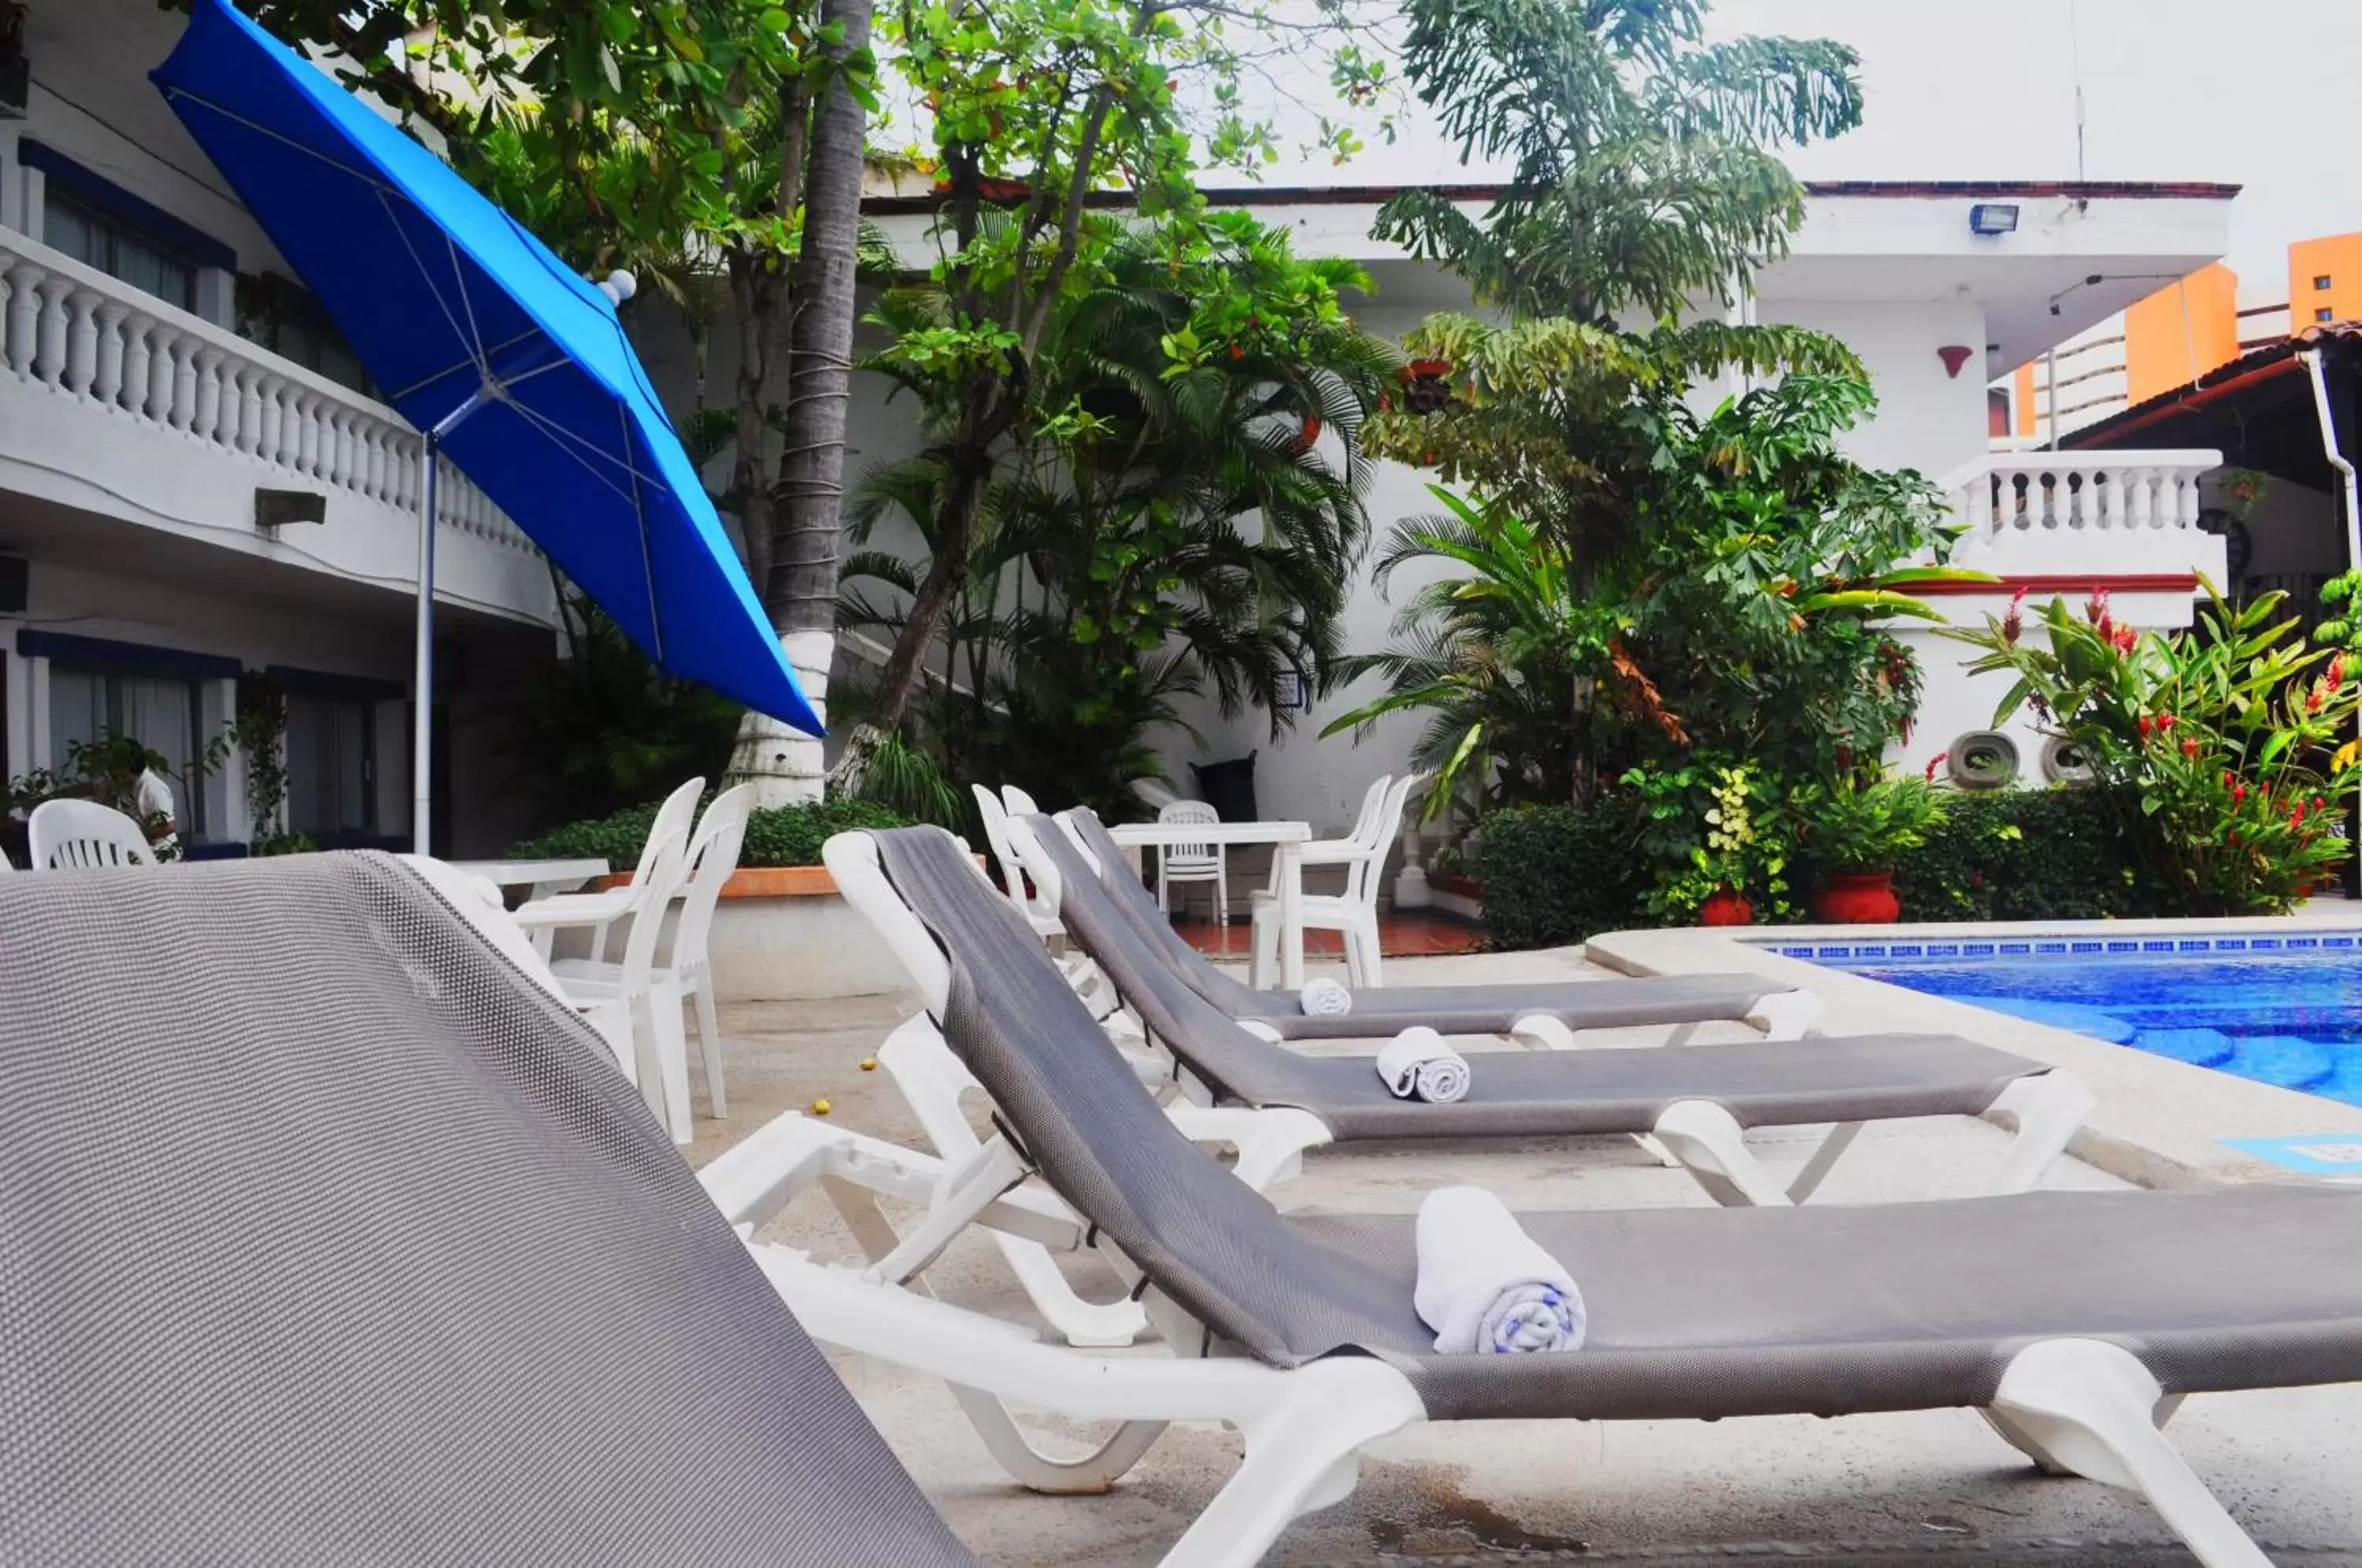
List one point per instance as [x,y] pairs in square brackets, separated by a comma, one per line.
[154,799]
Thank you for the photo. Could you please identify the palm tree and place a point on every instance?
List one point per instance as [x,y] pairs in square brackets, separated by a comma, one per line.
[1179,528]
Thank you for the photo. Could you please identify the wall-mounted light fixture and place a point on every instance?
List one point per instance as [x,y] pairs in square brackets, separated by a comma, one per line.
[1954,356]
[1993,217]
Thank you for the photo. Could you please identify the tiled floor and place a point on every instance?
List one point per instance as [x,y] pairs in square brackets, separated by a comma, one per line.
[1399,936]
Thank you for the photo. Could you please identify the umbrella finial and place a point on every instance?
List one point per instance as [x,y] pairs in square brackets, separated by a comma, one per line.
[618,286]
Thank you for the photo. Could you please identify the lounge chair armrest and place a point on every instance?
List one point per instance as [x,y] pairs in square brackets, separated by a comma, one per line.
[1269,1142]
[1331,852]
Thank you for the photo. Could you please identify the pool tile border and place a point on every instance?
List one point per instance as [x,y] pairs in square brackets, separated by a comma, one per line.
[1886,948]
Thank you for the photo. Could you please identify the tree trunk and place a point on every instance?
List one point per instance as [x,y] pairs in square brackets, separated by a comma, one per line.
[906,667]
[805,508]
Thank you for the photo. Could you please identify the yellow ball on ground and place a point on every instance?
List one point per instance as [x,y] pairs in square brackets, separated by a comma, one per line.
[819,1107]
[868,1064]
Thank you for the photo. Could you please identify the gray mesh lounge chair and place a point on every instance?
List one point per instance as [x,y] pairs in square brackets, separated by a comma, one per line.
[331,1239]
[2073,1321]
[1696,1100]
[1779,1010]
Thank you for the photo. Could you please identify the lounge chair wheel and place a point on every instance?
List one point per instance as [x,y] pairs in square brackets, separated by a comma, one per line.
[1095,1471]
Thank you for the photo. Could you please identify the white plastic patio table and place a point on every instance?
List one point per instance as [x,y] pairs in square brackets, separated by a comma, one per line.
[537,877]
[1288,839]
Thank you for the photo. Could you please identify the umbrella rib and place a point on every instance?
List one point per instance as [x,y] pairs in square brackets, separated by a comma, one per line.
[424,381]
[428,279]
[375,181]
[648,555]
[568,442]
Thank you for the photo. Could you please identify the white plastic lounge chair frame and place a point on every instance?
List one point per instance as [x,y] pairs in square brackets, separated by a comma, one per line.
[2075,1406]
[73,835]
[636,1008]
[1700,1137]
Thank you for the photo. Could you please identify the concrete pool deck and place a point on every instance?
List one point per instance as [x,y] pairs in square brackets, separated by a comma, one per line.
[1865,1490]
[2159,1123]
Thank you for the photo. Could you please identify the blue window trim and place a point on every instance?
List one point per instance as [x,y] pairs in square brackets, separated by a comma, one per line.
[109,200]
[142,658]
[300,682]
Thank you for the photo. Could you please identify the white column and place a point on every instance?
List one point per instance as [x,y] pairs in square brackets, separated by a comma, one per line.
[32,201]
[217,296]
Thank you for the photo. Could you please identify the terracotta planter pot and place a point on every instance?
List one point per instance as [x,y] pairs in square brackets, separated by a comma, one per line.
[1727,907]
[1858,897]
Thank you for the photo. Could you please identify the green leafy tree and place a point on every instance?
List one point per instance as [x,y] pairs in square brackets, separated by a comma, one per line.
[715,148]
[1028,109]
[1184,525]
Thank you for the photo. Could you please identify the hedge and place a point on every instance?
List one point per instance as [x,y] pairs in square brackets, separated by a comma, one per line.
[1554,876]
[775,835]
[2057,854]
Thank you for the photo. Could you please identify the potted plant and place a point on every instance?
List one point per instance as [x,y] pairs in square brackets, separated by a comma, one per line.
[1703,823]
[1856,829]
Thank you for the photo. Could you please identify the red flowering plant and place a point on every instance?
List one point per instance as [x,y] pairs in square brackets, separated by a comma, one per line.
[2222,745]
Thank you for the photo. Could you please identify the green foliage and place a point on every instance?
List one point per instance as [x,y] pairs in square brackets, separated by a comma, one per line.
[2057,854]
[1866,824]
[1166,530]
[1708,825]
[1714,582]
[1640,174]
[260,731]
[775,835]
[602,729]
[2225,746]
[1553,875]
[1490,654]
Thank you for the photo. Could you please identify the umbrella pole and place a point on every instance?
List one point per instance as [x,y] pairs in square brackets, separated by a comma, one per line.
[422,742]
[422,734]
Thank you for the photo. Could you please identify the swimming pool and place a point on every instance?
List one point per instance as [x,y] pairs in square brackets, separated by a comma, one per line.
[2282,1010]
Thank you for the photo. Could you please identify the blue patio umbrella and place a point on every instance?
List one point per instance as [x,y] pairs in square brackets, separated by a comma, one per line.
[515,368]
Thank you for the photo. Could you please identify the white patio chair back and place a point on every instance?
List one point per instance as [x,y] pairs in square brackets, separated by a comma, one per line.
[1018,803]
[996,838]
[1192,860]
[679,810]
[73,835]
[1376,835]
[712,856]
[644,1026]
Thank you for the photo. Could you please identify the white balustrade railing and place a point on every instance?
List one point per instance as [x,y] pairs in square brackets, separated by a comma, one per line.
[2030,503]
[79,334]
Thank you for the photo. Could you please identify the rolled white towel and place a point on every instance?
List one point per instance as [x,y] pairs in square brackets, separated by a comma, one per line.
[1417,1064]
[1486,1286]
[1324,998]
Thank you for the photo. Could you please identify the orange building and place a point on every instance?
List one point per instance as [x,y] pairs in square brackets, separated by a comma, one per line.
[2324,280]
[2188,327]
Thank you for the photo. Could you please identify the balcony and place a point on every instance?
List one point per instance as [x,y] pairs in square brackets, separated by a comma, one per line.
[132,410]
[2082,517]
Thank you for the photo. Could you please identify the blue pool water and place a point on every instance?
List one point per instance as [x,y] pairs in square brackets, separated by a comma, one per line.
[2291,1021]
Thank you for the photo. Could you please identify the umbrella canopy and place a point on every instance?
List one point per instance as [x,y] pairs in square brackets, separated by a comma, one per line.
[481,336]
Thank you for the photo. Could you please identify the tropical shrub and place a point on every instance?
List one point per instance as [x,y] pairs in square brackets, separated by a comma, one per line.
[775,835]
[1553,874]
[1173,525]
[2056,854]
[2224,746]
[1711,824]
[1865,825]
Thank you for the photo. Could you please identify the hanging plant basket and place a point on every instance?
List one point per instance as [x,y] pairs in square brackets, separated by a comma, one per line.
[1425,388]
[1308,435]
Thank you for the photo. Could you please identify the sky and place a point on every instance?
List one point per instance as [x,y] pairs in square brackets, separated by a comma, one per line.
[2222,90]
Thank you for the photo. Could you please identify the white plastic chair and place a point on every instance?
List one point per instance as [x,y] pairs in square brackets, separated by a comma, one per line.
[1192,862]
[635,1005]
[1018,803]
[545,917]
[1042,918]
[711,857]
[1354,912]
[73,835]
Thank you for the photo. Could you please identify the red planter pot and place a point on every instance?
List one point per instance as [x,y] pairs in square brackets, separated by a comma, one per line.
[1859,898]
[1727,907]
